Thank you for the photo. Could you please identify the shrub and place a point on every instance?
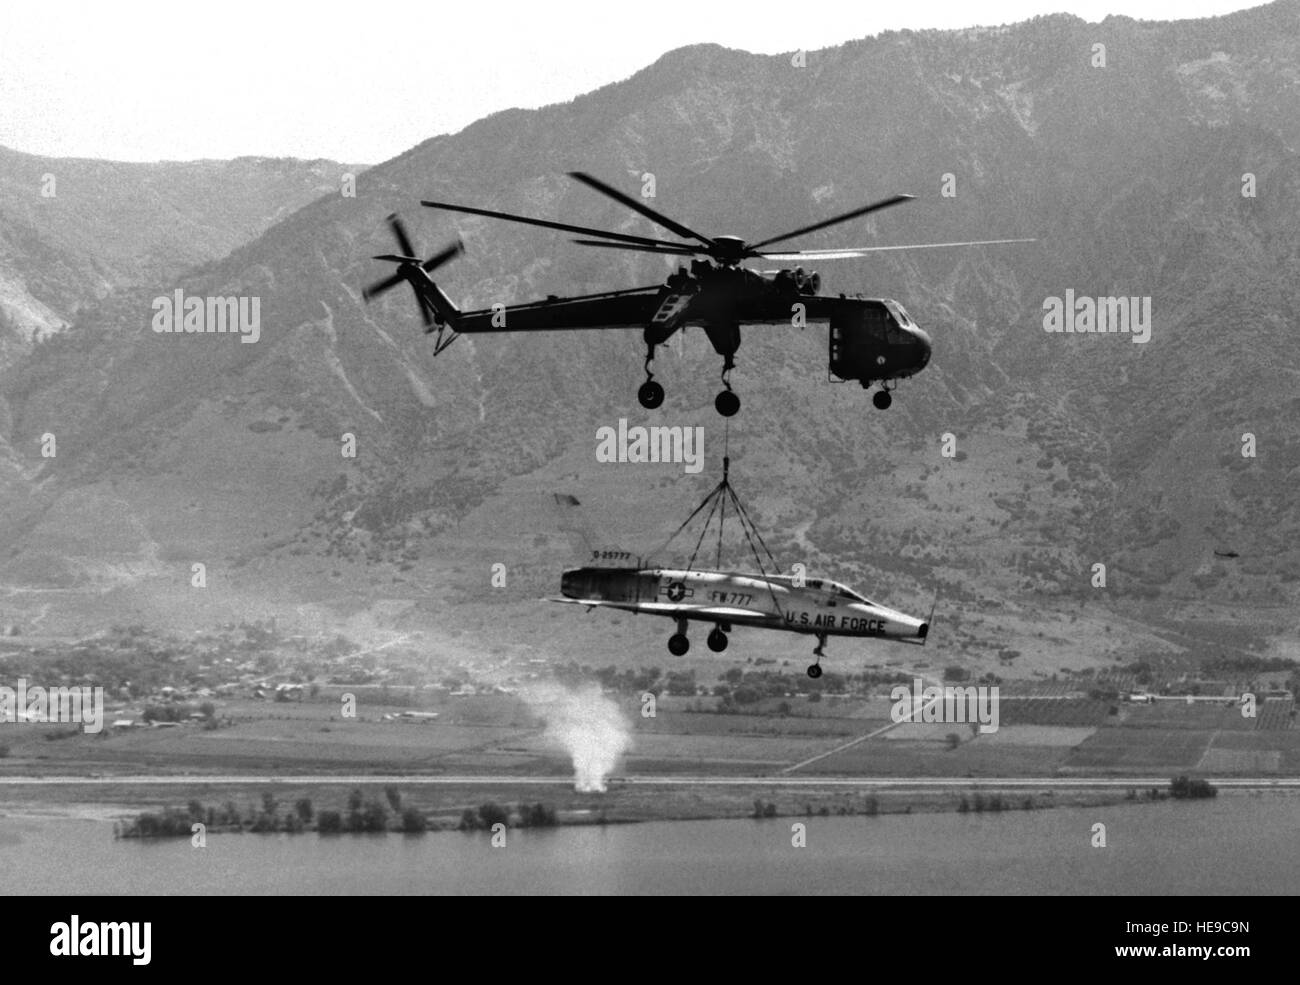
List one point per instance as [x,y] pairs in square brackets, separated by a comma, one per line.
[492,813]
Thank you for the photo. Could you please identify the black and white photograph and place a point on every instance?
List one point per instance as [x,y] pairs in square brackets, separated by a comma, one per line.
[579,449]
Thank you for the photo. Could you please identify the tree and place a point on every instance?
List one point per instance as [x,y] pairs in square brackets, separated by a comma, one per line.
[375,817]
[492,813]
[394,798]
[536,816]
[304,809]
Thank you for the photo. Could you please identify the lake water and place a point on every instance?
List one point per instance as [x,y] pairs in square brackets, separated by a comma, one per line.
[1234,844]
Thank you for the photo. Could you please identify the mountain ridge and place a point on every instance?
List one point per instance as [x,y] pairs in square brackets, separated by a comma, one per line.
[1078,450]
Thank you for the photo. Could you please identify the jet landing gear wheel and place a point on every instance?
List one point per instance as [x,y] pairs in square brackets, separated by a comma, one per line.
[678,644]
[717,641]
[651,394]
[815,669]
[882,399]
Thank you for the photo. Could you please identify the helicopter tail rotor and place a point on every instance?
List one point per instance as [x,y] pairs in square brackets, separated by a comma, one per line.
[436,309]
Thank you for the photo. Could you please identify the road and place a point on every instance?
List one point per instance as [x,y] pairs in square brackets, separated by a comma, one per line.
[883,782]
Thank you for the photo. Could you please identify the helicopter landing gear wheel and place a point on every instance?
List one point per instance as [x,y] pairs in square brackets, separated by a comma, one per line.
[727,403]
[650,394]
[717,641]
[882,399]
[678,644]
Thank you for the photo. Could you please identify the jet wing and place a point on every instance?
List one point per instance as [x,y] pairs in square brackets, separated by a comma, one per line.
[670,608]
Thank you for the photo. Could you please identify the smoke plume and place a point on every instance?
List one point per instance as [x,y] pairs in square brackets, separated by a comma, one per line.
[587,725]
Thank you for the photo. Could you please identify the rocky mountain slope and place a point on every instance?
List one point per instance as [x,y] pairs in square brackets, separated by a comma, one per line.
[1073,450]
[73,231]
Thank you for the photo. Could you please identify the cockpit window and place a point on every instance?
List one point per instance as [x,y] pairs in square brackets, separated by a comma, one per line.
[900,313]
[847,593]
[836,589]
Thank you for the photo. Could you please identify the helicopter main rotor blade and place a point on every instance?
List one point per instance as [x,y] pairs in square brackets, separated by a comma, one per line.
[884,203]
[683,250]
[853,252]
[441,257]
[547,224]
[645,210]
[380,286]
[399,231]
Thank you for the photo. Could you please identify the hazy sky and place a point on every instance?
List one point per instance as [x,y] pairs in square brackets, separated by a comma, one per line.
[361,82]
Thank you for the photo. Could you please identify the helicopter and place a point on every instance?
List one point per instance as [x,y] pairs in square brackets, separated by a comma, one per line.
[871,340]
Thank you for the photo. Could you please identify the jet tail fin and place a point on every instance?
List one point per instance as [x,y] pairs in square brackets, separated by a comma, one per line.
[929,621]
[588,550]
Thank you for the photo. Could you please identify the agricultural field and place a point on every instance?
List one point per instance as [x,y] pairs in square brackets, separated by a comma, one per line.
[972,758]
[1077,712]
[1201,715]
[1038,735]
[1142,749]
[1276,716]
[1283,748]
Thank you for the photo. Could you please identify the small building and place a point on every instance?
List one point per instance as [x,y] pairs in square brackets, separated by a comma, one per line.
[418,716]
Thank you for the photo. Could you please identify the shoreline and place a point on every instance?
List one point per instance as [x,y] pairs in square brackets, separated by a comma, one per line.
[443,807]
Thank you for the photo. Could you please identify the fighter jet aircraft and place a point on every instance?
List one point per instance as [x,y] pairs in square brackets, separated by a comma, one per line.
[728,598]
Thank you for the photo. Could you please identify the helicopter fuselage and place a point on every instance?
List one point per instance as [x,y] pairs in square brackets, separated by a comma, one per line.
[871,339]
